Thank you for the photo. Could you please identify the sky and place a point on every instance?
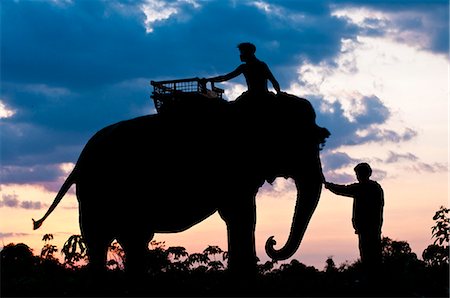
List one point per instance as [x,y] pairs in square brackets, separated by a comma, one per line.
[376,72]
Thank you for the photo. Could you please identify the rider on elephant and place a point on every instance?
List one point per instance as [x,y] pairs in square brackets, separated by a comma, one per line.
[255,71]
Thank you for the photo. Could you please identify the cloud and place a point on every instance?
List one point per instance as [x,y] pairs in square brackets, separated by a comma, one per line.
[279,188]
[9,201]
[53,129]
[94,66]
[418,23]
[395,157]
[337,160]
[31,205]
[157,11]
[359,126]
[422,167]
[342,172]
[12,234]
[5,112]
[101,42]
[339,178]
[12,201]
[415,164]
[334,165]
[70,68]
[27,174]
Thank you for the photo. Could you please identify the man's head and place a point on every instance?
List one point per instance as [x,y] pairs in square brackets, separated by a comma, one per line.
[247,50]
[363,171]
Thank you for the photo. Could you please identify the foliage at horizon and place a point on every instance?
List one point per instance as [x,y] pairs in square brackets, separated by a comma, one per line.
[25,274]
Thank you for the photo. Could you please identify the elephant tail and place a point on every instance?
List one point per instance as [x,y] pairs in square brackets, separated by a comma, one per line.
[64,188]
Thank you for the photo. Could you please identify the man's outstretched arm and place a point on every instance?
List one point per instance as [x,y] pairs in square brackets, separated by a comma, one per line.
[343,190]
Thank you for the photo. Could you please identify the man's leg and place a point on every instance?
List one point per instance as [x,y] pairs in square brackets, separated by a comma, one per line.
[370,250]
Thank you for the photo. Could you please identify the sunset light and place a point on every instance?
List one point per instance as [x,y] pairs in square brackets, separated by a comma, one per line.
[376,74]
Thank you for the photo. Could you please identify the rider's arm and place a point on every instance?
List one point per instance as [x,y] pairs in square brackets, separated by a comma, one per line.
[228,76]
[272,79]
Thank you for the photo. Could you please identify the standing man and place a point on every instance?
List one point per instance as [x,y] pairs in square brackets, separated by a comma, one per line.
[368,202]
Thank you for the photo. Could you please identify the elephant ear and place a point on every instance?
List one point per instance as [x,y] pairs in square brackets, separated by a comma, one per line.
[321,135]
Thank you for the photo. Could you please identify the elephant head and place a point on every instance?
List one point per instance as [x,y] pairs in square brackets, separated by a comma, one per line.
[294,153]
[292,121]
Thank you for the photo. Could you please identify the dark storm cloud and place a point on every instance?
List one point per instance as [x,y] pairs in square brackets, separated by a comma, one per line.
[370,111]
[363,128]
[80,45]
[71,68]
[50,128]
[89,43]
[35,173]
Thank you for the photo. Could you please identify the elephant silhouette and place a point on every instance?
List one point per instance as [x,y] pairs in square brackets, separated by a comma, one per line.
[164,173]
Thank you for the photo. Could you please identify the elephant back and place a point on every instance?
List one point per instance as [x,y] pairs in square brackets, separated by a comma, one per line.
[251,115]
[282,114]
[192,105]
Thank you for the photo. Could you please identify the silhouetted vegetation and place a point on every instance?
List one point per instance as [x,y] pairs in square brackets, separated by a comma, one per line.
[173,271]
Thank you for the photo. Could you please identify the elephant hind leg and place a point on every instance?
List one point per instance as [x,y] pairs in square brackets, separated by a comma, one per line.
[97,248]
[136,251]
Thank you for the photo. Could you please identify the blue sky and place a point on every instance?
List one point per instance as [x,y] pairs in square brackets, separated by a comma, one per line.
[69,68]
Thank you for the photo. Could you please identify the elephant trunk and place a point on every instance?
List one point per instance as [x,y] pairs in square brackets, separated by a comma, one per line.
[308,193]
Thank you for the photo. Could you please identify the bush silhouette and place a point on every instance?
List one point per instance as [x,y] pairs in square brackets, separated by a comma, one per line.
[176,272]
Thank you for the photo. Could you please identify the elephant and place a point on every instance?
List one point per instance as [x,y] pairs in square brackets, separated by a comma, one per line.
[165,172]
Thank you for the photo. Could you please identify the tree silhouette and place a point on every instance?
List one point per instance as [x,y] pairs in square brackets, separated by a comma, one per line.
[180,273]
[214,265]
[177,252]
[437,254]
[330,266]
[17,259]
[74,251]
[48,250]
[441,229]
[198,259]
[157,258]
[398,256]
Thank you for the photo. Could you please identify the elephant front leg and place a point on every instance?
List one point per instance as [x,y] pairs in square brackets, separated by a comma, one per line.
[240,221]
